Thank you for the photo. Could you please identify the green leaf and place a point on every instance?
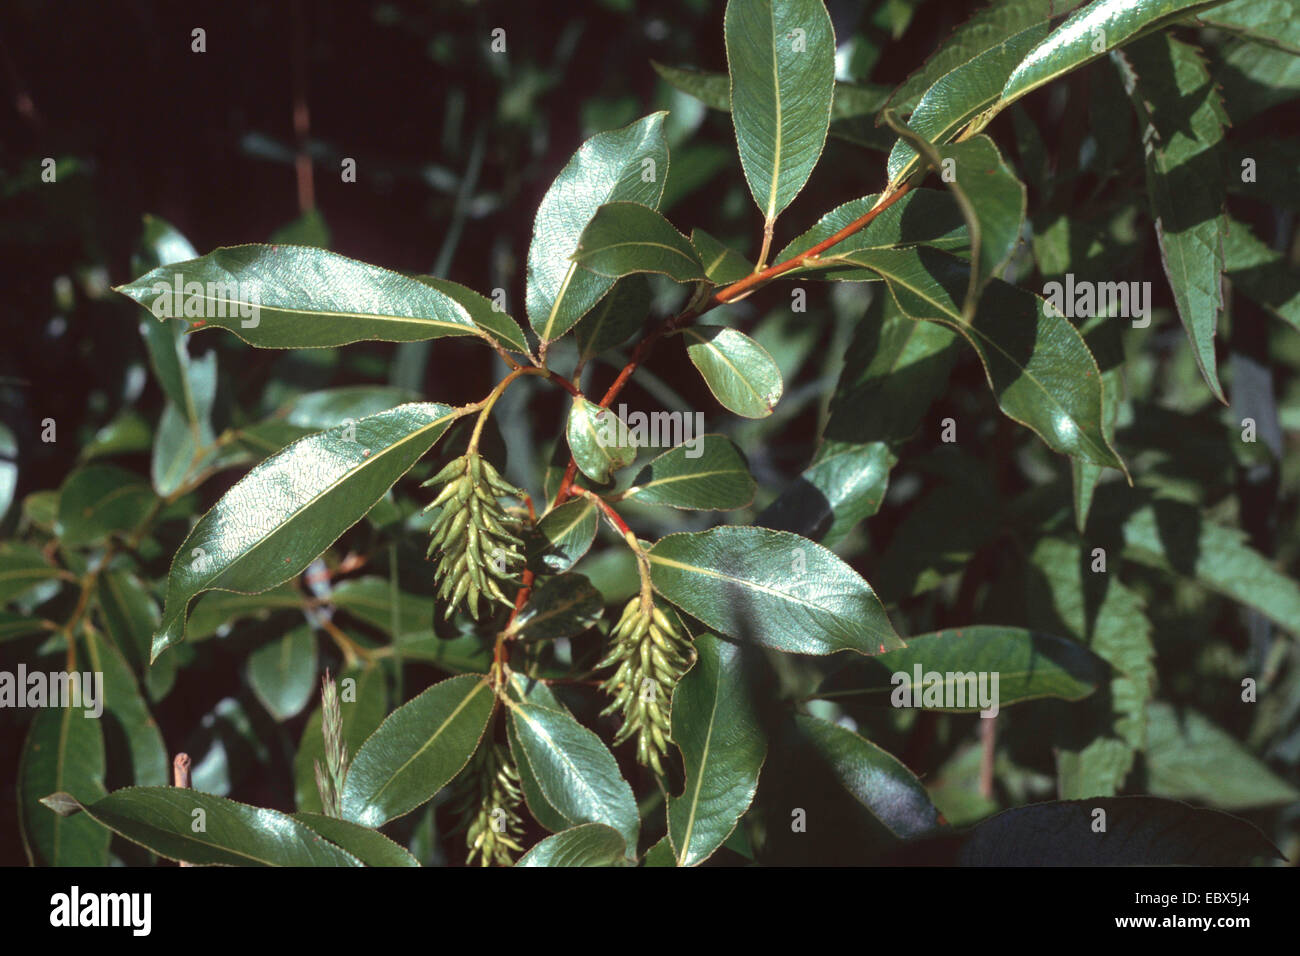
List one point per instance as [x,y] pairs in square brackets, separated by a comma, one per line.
[711,89]
[1037,364]
[287,510]
[363,704]
[161,245]
[309,229]
[527,690]
[15,626]
[316,411]
[1028,666]
[560,606]
[166,821]
[369,846]
[64,750]
[1261,273]
[599,440]
[771,587]
[99,500]
[149,766]
[482,312]
[722,264]
[417,750]
[739,372]
[1183,126]
[283,673]
[781,57]
[577,775]
[706,474]
[219,609]
[22,567]
[179,440]
[628,164]
[290,297]
[1275,22]
[626,237]
[619,314]
[716,727]
[563,535]
[589,844]
[1189,757]
[130,614]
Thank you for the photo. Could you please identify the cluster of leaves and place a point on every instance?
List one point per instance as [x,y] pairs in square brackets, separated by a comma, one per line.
[777,743]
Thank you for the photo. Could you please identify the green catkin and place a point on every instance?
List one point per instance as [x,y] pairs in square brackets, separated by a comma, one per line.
[487,803]
[649,652]
[473,535]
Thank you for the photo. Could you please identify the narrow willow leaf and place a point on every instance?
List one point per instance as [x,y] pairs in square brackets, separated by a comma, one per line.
[180,441]
[1036,362]
[363,704]
[283,673]
[1183,126]
[576,773]
[100,500]
[619,314]
[706,474]
[626,237]
[958,97]
[369,846]
[287,510]
[218,610]
[125,706]
[771,587]
[722,264]
[628,164]
[1029,666]
[589,844]
[599,440]
[1275,22]
[15,626]
[1188,757]
[160,245]
[162,819]
[482,312]
[531,691]
[716,727]
[290,297]
[417,750]
[316,411]
[739,372]
[781,57]
[560,606]
[22,567]
[64,751]
[563,535]
[1089,33]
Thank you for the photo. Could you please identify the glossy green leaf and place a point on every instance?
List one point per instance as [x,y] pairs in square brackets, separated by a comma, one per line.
[626,237]
[615,318]
[707,474]
[288,297]
[560,606]
[588,844]
[99,500]
[125,706]
[527,690]
[722,264]
[482,312]
[316,411]
[64,750]
[168,821]
[363,705]
[22,567]
[180,441]
[781,57]
[628,164]
[369,846]
[576,773]
[563,535]
[287,510]
[218,610]
[599,440]
[1275,22]
[417,750]
[771,587]
[716,727]
[661,854]
[1183,125]
[129,613]
[283,672]
[739,372]
[1029,666]
[160,245]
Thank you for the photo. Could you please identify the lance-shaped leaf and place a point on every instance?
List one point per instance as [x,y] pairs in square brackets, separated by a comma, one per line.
[291,507]
[100,500]
[716,727]
[180,440]
[125,706]
[1036,362]
[166,820]
[560,606]
[1183,125]
[369,846]
[722,264]
[1275,22]
[771,587]
[283,672]
[599,440]
[482,311]
[590,844]
[781,57]
[527,690]
[64,750]
[22,567]
[316,411]
[706,474]
[615,317]
[417,750]
[627,237]
[958,97]
[1028,665]
[628,164]
[289,297]
[160,245]
[739,372]
[576,773]
[1090,32]
[562,536]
